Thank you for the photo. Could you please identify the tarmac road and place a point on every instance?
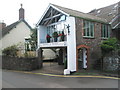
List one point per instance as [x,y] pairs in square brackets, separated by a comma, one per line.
[12,79]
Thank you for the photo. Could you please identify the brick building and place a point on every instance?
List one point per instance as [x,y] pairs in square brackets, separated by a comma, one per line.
[82,34]
[112,14]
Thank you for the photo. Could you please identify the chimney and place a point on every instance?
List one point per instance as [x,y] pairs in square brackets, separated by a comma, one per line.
[21,13]
[2,25]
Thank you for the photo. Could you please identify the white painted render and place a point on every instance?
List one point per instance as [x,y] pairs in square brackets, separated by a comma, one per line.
[47,53]
[71,44]
[50,5]
[16,36]
[38,36]
[42,33]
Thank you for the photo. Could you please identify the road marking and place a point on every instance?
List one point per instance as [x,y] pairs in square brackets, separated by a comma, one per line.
[71,76]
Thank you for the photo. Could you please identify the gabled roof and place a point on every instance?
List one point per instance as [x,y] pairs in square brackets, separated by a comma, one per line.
[74,13]
[111,13]
[79,14]
[13,25]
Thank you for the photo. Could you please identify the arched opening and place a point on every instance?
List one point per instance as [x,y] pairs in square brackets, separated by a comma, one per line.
[82,57]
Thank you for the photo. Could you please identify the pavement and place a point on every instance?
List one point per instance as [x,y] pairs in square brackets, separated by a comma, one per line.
[55,70]
[12,79]
[51,76]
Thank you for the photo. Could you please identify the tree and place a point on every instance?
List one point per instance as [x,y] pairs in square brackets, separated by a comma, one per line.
[33,39]
[110,45]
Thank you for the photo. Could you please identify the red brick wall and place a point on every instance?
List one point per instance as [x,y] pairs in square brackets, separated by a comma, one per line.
[94,50]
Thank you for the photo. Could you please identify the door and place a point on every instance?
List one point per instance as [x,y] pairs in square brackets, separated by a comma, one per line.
[82,58]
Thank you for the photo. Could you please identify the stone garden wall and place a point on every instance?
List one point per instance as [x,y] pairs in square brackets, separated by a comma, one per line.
[15,63]
[111,62]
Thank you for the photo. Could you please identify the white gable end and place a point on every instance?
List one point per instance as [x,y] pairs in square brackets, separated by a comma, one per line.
[47,11]
[16,35]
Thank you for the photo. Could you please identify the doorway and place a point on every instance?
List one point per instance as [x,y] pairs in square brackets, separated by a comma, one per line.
[82,58]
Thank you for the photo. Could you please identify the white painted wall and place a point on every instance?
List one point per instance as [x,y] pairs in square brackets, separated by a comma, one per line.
[42,33]
[47,53]
[71,44]
[16,36]
[38,36]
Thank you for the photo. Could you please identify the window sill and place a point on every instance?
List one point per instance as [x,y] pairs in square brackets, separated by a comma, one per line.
[104,38]
[86,37]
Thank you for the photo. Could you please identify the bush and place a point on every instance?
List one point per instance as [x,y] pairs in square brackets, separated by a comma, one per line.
[10,51]
[110,45]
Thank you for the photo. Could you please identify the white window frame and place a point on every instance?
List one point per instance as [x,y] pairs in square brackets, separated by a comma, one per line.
[105,31]
[88,27]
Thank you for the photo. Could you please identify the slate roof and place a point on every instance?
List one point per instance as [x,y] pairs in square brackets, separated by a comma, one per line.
[13,25]
[111,13]
[80,14]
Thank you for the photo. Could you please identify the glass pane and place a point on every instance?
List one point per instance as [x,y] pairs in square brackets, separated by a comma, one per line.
[84,26]
[87,28]
[87,31]
[104,31]
[108,31]
[92,29]
[84,32]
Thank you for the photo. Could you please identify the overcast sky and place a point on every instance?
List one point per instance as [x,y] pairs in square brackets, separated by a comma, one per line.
[35,8]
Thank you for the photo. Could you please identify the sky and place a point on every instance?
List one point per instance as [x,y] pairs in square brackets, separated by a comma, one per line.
[34,9]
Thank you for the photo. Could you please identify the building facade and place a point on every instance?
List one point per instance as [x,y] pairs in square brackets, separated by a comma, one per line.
[74,34]
[15,33]
[112,14]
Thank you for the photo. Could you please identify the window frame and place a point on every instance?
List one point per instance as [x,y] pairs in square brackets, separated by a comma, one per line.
[105,31]
[88,29]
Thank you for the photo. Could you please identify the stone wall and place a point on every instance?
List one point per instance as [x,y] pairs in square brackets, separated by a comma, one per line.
[15,63]
[111,62]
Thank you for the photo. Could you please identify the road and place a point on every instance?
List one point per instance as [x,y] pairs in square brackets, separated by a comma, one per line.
[21,80]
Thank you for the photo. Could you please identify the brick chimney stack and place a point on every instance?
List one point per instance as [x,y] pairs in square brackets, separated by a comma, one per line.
[21,13]
[2,25]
